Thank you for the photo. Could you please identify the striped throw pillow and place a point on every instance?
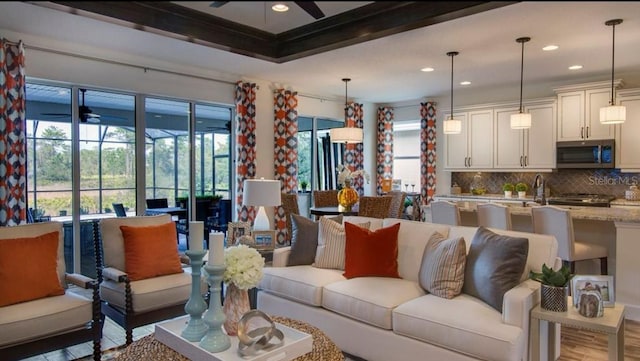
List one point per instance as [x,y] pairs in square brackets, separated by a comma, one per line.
[331,244]
[442,268]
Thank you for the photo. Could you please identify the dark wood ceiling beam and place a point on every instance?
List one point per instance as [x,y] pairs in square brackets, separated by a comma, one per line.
[373,21]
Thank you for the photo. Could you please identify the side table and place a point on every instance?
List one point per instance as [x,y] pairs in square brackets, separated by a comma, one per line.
[611,323]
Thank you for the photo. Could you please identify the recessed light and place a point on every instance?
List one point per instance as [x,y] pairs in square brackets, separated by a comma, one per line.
[427,69]
[550,47]
[279,7]
[466,82]
[575,67]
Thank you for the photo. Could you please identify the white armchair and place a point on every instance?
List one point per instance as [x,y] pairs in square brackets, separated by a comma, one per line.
[33,319]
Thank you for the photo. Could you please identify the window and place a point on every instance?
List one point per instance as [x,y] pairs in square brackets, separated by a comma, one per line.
[406,154]
[317,156]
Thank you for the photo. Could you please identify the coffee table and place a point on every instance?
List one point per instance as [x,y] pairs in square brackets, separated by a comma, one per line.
[148,348]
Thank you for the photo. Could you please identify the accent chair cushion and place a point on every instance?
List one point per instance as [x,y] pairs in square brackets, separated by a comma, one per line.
[28,268]
[151,251]
[371,253]
[442,268]
[494,265]
[331,244]
[304,239]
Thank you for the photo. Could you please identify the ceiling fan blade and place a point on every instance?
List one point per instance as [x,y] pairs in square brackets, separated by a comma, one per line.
[311,8]
[217,4]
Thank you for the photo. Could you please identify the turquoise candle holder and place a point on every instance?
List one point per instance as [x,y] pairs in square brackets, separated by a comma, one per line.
[195,307]
[215,340]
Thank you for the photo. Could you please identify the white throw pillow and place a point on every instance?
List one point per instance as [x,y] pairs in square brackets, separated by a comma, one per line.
[331,244]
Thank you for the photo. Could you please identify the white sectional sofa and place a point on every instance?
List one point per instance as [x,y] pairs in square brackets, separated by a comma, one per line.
[384,319]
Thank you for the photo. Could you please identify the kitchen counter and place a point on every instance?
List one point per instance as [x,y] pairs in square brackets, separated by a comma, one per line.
[624,202]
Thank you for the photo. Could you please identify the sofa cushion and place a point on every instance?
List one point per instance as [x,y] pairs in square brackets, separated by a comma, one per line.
[442,268]
[331,244]
[299,283]
[464,324]
[369,299]
[304,239]
[150,251]
[494,265]
[412,238]
[371,253]
[28,268]
[374,223]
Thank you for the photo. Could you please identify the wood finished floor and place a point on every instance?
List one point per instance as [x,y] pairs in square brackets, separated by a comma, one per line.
[577,345]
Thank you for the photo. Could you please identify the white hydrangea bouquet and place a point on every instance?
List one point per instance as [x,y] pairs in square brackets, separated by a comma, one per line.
[243,266]
[344,174]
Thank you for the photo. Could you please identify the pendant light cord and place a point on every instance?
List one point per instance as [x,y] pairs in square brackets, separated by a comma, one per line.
[613,58]
[452,54]
[346,105]
[522,41]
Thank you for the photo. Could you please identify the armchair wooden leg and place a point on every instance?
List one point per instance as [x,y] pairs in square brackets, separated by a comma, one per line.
[603,266]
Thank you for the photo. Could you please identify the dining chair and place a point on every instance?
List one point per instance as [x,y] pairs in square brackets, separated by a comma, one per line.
[328,198]
[558,222]
[397,204]
[494,215]
[444,212]
[374,206]
[289,203]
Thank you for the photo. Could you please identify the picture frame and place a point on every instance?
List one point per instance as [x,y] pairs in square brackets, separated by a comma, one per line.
[264,240]
[236,230]
[602,284]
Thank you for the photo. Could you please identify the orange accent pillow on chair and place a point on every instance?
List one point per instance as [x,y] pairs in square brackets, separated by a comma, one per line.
[28,268]
[371,253]
[150,251]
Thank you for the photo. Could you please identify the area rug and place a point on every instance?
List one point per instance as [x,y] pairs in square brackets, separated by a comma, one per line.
[107,355]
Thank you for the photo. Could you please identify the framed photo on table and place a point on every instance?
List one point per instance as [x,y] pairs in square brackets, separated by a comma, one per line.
[264,240]
[602,284]
[236,230]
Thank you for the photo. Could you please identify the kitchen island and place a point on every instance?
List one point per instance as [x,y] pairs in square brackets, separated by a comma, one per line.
[617,228]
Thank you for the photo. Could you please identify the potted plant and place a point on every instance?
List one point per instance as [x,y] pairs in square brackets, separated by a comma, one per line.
[304,185]
[522,188]
[555,287]
[508,189]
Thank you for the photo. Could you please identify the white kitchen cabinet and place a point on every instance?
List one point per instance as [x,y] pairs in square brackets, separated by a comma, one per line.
[628,144]
[579,113]
[531,149]
[472,149]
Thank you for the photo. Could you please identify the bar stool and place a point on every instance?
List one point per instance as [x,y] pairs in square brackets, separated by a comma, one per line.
[558,222]
[444,212]
[494,215]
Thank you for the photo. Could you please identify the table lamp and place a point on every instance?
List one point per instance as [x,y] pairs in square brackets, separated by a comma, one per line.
[261,193]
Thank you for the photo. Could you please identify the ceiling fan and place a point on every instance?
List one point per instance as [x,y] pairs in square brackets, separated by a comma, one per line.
[85,113]
[309,6]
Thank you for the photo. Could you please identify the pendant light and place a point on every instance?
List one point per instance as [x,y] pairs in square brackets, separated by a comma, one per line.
[451,125]
[613,114]
[521,120]
[346,134]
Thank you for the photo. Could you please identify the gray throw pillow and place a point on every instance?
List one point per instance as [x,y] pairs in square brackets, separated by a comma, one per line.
[494,265]
[304,240]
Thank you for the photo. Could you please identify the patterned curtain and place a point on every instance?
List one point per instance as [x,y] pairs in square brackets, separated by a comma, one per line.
[245,144]
[427,152]
[13,170]
[285,137]
[384,150]
[353,158]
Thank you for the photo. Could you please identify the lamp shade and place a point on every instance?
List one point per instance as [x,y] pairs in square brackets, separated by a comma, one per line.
[261,193]
[613,114]
[452,126]
[520,121]
[346,135]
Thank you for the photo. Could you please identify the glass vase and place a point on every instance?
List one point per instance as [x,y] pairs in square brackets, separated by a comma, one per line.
[236,304]
[347,196]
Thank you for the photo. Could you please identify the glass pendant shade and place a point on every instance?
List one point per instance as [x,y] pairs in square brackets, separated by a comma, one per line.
[521,121]
[452,126]
[613,114]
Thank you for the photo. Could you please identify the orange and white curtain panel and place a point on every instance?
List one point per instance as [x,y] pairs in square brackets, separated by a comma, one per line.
[353,156]
[245,100]
[13,157]
[285,137]
[427,152]
[384,148]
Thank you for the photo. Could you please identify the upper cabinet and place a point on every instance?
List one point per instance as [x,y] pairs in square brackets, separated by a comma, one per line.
[627,144]
[472,148]
[579,111]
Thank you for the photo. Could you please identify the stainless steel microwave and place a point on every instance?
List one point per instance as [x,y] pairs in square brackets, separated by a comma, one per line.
[586,154]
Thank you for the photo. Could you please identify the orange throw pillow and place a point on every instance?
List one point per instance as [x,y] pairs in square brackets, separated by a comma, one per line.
[150,251]
[28,268]
[371,253]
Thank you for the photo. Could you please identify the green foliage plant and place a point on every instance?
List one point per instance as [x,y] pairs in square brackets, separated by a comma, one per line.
[522,187]
[551,277]
[508,187]
[304,185]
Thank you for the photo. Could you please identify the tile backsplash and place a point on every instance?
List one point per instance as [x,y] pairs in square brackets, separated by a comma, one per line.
[591,181]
